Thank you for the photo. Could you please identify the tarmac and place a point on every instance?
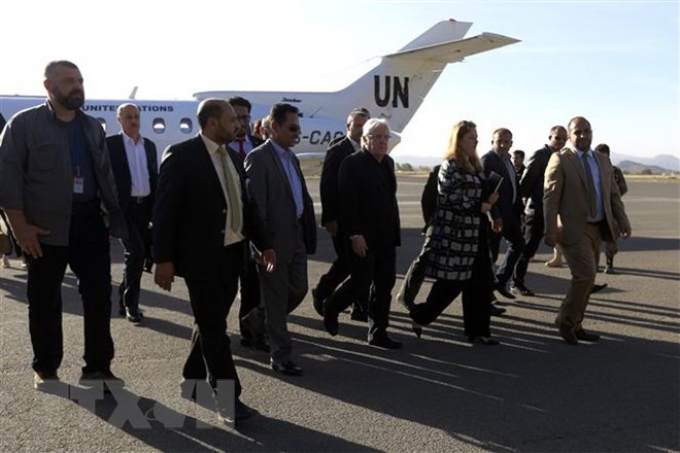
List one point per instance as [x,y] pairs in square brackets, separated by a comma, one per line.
[532,393]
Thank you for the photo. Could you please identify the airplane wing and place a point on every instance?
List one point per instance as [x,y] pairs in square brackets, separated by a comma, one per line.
[453,51]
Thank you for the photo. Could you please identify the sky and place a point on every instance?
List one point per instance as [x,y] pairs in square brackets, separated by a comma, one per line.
[616,63]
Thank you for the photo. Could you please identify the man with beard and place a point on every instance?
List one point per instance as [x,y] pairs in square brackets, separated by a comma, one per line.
[580,190]
[55,180]
[243,144]
[202,221]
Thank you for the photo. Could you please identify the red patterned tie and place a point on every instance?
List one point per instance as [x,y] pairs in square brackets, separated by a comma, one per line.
[241,151]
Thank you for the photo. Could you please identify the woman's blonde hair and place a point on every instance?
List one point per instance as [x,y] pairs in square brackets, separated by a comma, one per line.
[470,164]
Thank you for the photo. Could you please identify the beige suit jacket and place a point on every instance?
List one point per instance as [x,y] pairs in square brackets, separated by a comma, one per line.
[565,199]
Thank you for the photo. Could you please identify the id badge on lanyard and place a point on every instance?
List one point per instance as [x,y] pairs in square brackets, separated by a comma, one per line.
[78,183]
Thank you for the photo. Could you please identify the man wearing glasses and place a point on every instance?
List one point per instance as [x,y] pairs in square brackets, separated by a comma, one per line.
[277,187]
[531,188]
[244,143]
[369,215]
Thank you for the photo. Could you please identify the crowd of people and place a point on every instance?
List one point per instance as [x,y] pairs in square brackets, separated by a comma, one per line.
[229,210]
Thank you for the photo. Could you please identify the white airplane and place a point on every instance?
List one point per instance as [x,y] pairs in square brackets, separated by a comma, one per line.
[393,90]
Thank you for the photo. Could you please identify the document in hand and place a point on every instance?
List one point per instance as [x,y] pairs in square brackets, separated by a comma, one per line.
[495,180]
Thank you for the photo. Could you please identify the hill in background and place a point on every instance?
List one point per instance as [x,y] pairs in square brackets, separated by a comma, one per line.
[663,163]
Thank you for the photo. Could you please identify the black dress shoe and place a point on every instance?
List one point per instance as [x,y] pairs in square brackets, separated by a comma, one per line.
[134,317]
[241,412]
[418,330]
[258,344]
[359,315]
[586,336]
[523,290]
[317,302]
[330,323]
[288,368]
[597,288]
[385,342]
[503,289]
[484,340]
[496,310]
[567,333]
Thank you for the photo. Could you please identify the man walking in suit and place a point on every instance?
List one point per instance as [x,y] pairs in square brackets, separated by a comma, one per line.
[370,218]
[531,188]
[135,168]
[579,187]
[243,144]
[507,211]
[330,204]
[278,189]
[202,220]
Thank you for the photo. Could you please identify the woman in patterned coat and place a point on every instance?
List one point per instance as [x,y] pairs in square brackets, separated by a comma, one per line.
[458,255]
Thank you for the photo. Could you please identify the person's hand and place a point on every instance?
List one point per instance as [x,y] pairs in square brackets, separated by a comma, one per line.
[332,227]
[359,246]
[269,260]
[493,198]
[625,232]
[486,207]
[27,238]
[497,225]
[551,239]
[164,275]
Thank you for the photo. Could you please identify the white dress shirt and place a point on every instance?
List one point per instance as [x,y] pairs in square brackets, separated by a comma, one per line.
[139,168]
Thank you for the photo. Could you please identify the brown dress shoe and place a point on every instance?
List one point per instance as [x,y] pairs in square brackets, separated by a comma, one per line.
[586,336]
[568,334]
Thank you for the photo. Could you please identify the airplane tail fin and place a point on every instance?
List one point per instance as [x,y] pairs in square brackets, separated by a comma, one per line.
[401,81]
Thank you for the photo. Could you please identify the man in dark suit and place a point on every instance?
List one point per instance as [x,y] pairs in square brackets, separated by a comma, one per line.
[531,188]
[135,168]
[582,206]
[242,145]
[370,218]
[202,221]
[330,204]
[278,189]
[507,210]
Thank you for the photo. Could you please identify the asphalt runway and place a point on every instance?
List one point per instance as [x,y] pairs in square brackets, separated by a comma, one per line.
[438,394]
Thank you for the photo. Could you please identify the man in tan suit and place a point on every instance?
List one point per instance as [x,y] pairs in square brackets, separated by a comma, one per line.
[581,204]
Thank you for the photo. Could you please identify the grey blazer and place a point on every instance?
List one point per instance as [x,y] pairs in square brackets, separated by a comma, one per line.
[270,191]
[36,175]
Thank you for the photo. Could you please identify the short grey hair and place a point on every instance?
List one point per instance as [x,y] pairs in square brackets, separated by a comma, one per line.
[372,124]
[122,107]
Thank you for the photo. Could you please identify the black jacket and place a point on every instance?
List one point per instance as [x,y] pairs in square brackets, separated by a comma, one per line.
[190,212]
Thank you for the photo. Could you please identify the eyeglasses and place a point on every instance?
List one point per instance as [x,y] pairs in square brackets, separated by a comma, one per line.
[380,137]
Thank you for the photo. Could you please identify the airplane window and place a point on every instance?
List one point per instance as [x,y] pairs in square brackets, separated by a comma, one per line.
[185,125]
[102,121]
[159,125]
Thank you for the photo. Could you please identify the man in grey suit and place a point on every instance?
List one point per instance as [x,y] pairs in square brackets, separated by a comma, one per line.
[278,189]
